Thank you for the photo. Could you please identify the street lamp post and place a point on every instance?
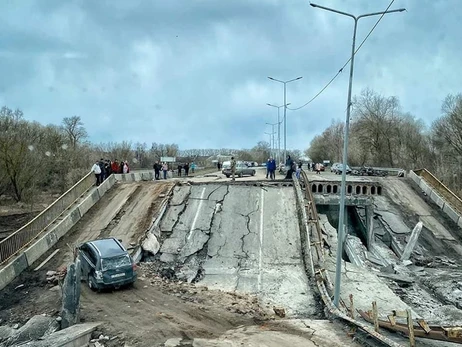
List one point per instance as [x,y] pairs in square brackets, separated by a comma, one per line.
[285,109]
[341,224]
[279,131]
[270,143]
[273,146]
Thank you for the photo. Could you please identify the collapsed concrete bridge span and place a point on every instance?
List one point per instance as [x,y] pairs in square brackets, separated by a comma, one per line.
[238,238]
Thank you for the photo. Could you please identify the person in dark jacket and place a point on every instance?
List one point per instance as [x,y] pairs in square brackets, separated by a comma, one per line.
[289,167]
[272,168]
[157,167]
[102,176]
[179,170]
[186,169]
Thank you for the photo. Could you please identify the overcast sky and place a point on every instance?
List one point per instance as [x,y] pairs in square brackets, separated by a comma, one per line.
[194,72]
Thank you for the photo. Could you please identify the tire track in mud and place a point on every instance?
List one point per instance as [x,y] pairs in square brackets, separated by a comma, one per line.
[106,232]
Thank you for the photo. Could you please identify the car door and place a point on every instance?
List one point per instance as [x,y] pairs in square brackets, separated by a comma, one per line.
[84,260]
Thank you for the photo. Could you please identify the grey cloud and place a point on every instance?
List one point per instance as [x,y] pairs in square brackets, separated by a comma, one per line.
[195,72]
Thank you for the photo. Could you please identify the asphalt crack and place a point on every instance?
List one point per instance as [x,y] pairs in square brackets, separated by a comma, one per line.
[244,254]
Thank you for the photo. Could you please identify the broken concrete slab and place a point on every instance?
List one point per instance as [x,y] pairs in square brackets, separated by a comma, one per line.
[76,335]
[236,232]
[35,328]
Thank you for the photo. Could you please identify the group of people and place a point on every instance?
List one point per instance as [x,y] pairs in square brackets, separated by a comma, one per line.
[158,167]
[297,168]
[103,168]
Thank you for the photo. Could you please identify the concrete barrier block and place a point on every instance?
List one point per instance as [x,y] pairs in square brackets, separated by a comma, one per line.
[40,247]
[451,213]
[136,177]
[425,187]
[414,177]
[112,180]
[11,270]
[67,223]
[88,202]
[437,199]
[105,186]
[118,177]
[147,176]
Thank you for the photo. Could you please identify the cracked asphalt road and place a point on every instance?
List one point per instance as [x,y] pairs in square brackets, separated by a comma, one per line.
[239,238]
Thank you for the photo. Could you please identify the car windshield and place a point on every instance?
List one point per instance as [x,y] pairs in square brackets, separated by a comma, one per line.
[115,262]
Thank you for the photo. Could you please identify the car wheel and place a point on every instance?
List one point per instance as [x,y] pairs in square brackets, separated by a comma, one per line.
[253,173]
[91,283]
[227,176]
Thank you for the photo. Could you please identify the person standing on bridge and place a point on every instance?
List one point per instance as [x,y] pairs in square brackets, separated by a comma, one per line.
[157,168]
[272,168]
[233,167]
[164,169]
[97,171]
[268,167]
[289,167]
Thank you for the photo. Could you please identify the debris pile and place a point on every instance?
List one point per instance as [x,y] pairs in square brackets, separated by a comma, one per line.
[166,280]
[56,277]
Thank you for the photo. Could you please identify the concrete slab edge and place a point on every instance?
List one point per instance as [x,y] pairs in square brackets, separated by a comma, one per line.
[75,335]
[11,270]
[134,177]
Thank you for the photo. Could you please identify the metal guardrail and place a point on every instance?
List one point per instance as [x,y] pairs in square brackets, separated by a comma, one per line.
[23,236]
[444,191]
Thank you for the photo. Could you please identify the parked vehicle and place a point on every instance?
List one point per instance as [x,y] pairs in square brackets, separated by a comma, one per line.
[242,169]
[337,168]
[226,165]
[106,263]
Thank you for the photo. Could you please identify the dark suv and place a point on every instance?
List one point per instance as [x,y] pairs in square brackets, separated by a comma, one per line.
[106,263]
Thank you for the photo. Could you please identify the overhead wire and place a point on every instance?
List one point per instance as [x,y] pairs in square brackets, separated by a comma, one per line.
[344,65]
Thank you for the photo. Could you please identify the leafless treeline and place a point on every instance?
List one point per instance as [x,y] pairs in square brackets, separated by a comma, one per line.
[382,134]
[34,157]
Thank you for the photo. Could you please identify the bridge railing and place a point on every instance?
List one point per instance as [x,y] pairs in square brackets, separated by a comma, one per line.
[442,190]
[23,236]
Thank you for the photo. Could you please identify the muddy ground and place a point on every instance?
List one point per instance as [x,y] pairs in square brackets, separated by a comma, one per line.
[151,312]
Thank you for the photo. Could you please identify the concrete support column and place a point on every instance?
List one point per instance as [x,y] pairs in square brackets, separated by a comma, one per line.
[370,225]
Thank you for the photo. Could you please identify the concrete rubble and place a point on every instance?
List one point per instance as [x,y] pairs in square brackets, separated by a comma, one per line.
[295,333]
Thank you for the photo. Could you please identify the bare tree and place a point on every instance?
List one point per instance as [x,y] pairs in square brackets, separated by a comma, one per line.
[73,126]
[448,128]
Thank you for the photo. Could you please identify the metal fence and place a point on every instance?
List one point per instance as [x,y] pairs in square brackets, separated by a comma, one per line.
[23,236]
[442,190]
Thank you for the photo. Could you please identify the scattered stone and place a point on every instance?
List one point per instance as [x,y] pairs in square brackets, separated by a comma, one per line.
[150,244]
[387,269]
[6,332]
[407,262]
[51,273]
[16,326]
[279,311]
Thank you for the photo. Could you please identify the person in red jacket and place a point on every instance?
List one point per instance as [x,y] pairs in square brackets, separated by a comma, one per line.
[115,166]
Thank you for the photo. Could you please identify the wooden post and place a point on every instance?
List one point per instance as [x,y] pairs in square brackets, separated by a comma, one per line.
[352,308]
[375,315]
[410,326]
